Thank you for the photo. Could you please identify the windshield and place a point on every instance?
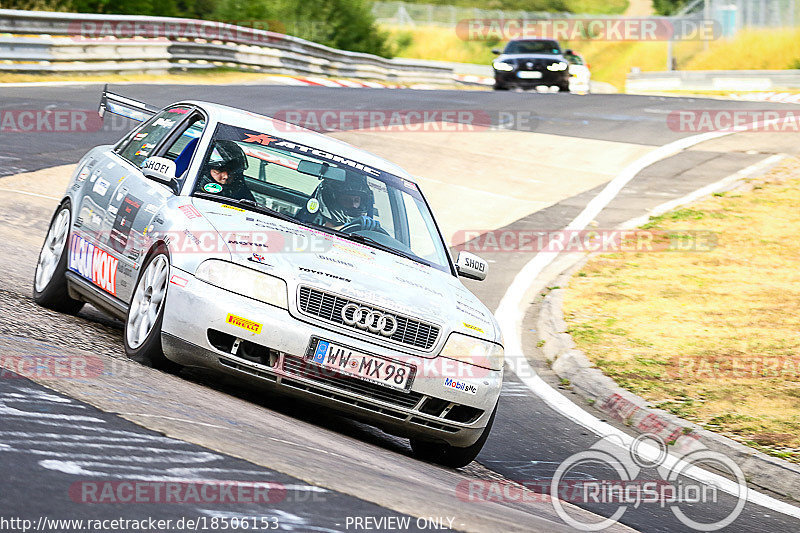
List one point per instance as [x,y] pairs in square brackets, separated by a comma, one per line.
[321,189]
[533,47]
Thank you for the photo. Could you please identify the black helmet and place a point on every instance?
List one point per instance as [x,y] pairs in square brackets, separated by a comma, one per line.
[330,192]
[227,156]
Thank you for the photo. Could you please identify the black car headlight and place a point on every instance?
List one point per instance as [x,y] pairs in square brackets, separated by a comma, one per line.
[503,66]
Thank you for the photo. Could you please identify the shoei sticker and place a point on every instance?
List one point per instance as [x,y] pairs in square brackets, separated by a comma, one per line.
[312,205]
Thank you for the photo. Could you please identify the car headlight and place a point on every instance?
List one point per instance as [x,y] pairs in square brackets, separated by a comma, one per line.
[558,66]
[474,351]
[244,281]
[503,66]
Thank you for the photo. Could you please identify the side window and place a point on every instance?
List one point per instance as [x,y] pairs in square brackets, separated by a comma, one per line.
[141,144]
[185,145]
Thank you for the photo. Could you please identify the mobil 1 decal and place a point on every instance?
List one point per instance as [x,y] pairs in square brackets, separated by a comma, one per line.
[124,222]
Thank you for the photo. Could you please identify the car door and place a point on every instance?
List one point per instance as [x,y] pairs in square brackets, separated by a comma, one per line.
[136,202]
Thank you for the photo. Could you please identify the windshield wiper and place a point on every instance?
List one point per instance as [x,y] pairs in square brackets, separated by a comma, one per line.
[363,239]
[249,204]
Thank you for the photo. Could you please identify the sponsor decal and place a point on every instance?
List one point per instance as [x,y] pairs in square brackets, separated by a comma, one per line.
[118,239]
[258,258]
[226,206]
[179,281]
[462,386]
[325,274]
[213,188]
[145,149]
[189,211]
[100,187]
[120,193]
[95,174]
[474,328]
[94,264]
[260,139]
[243,323]
[113,209]
[151,208]
[164,123]
[139,136]
[300,148]
[312,206]
[83,174]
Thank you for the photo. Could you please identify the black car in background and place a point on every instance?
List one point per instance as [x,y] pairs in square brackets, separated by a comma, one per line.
[530,63]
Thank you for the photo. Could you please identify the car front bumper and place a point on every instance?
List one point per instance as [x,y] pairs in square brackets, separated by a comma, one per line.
[196,314]
[512,79]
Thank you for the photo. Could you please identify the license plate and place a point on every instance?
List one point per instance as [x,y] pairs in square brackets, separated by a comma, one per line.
[360,365]
[529,74]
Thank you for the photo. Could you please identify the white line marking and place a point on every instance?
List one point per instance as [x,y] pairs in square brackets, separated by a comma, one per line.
[29,194]
[513,305]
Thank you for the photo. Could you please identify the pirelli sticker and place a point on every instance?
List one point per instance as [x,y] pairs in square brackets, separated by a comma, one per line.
[239,322]
[473,328]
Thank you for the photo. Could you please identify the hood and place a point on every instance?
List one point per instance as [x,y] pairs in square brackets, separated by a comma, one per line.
[304,256]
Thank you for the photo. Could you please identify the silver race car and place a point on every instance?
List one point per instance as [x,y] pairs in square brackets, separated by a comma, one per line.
[229,240]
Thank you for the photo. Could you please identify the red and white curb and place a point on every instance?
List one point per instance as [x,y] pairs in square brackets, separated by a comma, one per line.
[786,98]
[314,81]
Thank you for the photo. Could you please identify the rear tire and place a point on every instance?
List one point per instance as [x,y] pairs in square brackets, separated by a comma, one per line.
[142,334]
[563,88]
[500,87]
[50,280]
[451,456]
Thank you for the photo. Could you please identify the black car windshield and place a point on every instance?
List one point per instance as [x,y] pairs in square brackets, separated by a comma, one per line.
[533,47]
[321,189]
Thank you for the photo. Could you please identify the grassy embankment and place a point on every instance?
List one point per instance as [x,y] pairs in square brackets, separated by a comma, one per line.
[713,337]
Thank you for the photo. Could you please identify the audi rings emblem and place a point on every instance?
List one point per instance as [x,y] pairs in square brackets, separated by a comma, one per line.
[369,319]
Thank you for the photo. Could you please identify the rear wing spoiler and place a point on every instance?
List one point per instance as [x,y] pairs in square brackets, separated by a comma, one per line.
[124,107]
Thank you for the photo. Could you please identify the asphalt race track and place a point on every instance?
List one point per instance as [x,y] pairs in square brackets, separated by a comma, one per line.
[202,427]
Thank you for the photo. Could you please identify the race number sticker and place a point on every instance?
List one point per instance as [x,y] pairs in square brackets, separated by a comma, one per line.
[118,239]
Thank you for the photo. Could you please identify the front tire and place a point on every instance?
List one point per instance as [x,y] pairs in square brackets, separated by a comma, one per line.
[451,456]
[142,335]
[50,280]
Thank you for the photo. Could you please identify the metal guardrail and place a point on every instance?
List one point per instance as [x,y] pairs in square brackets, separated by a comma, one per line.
[712,80]
[40,41]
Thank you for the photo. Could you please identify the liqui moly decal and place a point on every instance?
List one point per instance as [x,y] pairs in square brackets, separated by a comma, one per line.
[94,264]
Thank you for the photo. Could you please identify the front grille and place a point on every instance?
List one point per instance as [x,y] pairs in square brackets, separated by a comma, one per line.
[538,64]
[301,368]
[329,306]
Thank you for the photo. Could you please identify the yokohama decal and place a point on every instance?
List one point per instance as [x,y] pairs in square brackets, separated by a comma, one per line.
[94,264]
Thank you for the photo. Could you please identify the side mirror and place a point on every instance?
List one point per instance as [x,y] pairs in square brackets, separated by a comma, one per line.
[496,51]
[471,266]
[161,170]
